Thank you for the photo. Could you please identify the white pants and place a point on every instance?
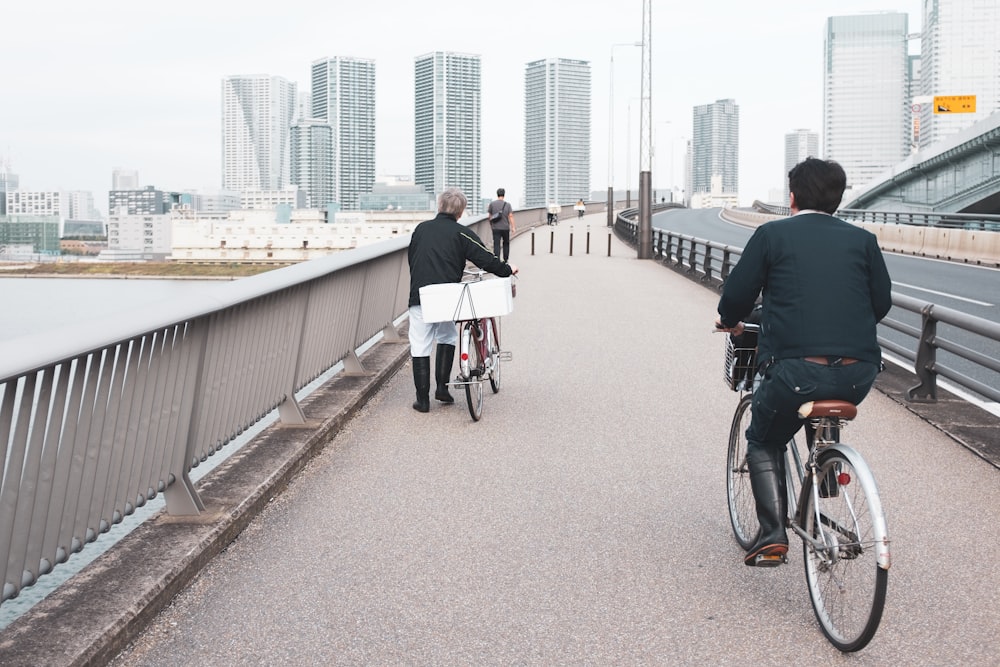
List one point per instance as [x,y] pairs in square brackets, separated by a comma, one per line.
[423,335]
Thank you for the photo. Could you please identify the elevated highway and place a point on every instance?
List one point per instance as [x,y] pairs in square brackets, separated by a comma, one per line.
[959,175]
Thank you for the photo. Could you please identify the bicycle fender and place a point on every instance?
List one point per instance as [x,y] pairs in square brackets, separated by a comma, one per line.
[867,479]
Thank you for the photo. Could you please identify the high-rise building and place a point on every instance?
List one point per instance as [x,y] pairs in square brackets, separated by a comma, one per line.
[556,131]
[448,124]
[865,107]
[799,144]
[715,147]
[8,183]
[312,161]
[343,96]
[257,114]
[960,55]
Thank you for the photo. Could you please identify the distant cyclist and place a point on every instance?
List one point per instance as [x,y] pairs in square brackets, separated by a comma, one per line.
[825,286]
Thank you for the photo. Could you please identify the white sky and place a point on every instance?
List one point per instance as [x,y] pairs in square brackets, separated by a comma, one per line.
[88,88]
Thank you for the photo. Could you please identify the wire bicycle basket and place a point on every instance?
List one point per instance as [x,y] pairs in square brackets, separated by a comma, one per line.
[740,365]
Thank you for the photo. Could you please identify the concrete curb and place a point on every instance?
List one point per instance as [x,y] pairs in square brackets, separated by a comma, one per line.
[94,615]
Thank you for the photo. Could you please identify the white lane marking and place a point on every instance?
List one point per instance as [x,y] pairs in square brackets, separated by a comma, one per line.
[945,294]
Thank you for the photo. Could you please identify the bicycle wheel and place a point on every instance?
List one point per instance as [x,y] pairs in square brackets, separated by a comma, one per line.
[473,362]
[493,349]
[742,508]
[847,584]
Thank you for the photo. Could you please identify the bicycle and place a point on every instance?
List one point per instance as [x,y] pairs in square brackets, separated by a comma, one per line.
[837,510]
[479,354]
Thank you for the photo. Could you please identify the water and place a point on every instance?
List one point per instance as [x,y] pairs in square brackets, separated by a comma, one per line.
[31,305]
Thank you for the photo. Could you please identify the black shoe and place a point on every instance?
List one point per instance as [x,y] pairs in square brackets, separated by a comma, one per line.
[442,371]
[422,381]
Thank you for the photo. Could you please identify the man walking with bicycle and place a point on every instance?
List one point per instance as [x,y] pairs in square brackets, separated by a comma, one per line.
[438,251]
[825,286]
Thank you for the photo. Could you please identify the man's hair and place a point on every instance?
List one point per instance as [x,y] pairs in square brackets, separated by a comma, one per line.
[452,201]
[501,192]
[817,184]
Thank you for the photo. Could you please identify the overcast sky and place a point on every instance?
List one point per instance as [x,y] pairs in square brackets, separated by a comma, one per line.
[90,87]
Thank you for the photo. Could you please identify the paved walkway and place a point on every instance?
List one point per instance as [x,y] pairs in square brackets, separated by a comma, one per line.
[583,520]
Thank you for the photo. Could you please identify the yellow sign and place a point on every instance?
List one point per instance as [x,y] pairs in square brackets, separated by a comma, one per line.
[955,104]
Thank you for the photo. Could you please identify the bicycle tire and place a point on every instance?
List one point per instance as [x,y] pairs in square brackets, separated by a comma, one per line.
[847,583]
[493,349]
[472,363]
[742,508]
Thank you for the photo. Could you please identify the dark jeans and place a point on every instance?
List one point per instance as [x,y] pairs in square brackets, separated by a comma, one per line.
[789,383]
[501,236]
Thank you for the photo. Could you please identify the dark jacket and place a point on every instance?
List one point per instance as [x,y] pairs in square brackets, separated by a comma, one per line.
[438,251]
[825,287]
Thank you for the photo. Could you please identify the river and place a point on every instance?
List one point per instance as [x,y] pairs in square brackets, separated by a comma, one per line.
[31,305]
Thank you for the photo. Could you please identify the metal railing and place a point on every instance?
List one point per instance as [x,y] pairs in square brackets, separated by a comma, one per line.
[972,221]
[711,263]
[98,419]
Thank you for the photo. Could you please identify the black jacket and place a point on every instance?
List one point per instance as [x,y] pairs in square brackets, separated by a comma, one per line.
[825,287]
[438,251]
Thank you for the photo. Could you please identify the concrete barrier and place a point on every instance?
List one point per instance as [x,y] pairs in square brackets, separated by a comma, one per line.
[957,245]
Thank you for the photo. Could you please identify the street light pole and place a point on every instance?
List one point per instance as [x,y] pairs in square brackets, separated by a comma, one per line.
[611,134]
[645,230]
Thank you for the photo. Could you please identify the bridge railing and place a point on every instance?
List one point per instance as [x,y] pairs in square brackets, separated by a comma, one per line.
[971,221]
[98,418]
[963,336]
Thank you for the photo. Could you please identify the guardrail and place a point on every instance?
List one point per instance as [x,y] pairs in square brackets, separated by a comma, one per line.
[972,221]
[711,263]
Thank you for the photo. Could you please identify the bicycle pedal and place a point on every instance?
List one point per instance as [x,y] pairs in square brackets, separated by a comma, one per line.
[769,560]
[505,356]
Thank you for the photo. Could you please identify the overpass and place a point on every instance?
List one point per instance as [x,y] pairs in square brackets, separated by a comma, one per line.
[958,175]
[581,521]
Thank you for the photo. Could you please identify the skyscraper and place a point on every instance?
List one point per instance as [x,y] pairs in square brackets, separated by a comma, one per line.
[8,183]
[715,147]
[799,145]
[865,107]
[447,124]
[960,55]
[343,95]
[556,131]
[312,161]
[257,112]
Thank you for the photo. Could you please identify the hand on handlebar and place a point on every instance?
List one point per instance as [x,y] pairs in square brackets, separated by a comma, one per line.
[735,330]
[513,269]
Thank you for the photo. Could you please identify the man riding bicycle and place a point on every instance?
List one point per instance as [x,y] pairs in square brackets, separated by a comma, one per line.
[825,287]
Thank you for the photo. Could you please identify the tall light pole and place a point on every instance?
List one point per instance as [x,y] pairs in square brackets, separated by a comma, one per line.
[646,140]
[611,134]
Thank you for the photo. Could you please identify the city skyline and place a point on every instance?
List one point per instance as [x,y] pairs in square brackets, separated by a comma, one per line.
[129,98]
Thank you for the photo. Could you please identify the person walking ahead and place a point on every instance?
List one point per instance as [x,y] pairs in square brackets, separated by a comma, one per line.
[438,251]
[825,287]
[502,221]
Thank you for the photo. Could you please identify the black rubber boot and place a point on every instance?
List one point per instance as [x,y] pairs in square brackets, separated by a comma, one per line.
[767,479]
[442,372]
[422,381]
